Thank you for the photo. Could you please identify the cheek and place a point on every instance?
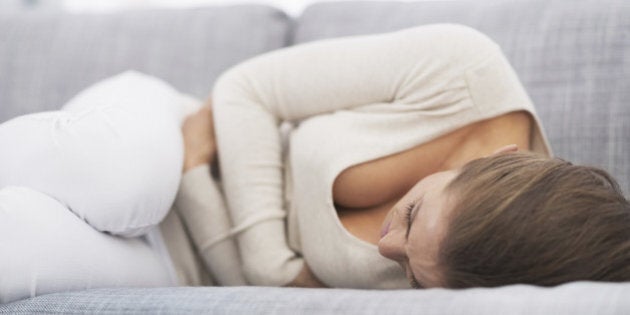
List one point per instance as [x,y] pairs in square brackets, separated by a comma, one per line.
[389,216]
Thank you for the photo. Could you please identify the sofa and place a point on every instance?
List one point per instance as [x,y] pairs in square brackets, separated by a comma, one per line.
[572,56]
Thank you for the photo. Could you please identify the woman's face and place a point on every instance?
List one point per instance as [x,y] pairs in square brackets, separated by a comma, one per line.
[414,228]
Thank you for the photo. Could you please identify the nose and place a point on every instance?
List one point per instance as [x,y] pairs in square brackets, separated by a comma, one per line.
[391,247]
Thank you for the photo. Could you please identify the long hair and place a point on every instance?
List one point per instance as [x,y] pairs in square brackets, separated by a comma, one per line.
[525,218]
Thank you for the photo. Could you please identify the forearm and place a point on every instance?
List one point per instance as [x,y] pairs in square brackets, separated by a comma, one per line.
[201,204]
[251,169]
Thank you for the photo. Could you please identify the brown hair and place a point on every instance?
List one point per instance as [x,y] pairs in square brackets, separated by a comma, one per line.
[526,218]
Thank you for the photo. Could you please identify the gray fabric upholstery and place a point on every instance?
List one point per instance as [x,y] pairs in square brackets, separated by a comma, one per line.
[574,298]
[46,58]
[572,57]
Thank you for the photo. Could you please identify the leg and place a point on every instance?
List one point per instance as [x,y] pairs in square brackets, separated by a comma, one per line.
[113,156]
[46,248]
[133,90]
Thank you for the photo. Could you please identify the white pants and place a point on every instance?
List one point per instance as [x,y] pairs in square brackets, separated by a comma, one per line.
[80,189]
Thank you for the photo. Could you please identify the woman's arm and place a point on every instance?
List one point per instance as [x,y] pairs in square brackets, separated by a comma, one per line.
[201,203]
[410,67]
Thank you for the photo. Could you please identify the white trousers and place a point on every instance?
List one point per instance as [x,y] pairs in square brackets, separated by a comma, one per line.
[83,189]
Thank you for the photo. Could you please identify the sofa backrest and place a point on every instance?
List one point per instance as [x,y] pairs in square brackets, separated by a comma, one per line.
[572,56]
[48,57]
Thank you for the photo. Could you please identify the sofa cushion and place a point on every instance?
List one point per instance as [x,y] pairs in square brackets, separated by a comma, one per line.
[600,298]
[572,57]
[46,58]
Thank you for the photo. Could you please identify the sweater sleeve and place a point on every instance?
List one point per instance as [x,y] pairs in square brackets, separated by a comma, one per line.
[203,210]
[253,98]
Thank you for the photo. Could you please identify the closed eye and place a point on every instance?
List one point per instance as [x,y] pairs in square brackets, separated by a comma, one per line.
[409,214]
[408,211]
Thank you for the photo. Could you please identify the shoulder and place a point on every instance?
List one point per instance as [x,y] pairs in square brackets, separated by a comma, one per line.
[378,181]
[485,136]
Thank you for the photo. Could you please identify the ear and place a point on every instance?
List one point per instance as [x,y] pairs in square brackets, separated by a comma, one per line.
[506,149]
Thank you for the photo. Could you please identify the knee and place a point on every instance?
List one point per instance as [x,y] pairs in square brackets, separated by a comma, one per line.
[142,190]
[128,174]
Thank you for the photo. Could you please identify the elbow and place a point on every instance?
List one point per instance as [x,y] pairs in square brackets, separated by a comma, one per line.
[263,276]
[272,272]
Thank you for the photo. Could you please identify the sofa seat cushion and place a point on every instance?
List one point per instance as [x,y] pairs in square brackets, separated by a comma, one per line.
[594,297]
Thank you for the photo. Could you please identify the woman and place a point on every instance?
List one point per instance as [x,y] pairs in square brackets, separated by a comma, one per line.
[384,126]
[377,160]
[375,115]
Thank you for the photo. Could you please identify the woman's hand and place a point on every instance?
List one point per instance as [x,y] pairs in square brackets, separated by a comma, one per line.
[199,140]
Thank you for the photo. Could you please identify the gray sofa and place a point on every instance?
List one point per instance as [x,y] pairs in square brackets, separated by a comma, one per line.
[572,56]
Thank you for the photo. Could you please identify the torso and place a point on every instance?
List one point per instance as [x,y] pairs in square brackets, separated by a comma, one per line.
[364,193]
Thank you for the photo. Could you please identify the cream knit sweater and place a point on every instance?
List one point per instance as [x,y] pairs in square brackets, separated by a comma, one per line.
[346,101]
